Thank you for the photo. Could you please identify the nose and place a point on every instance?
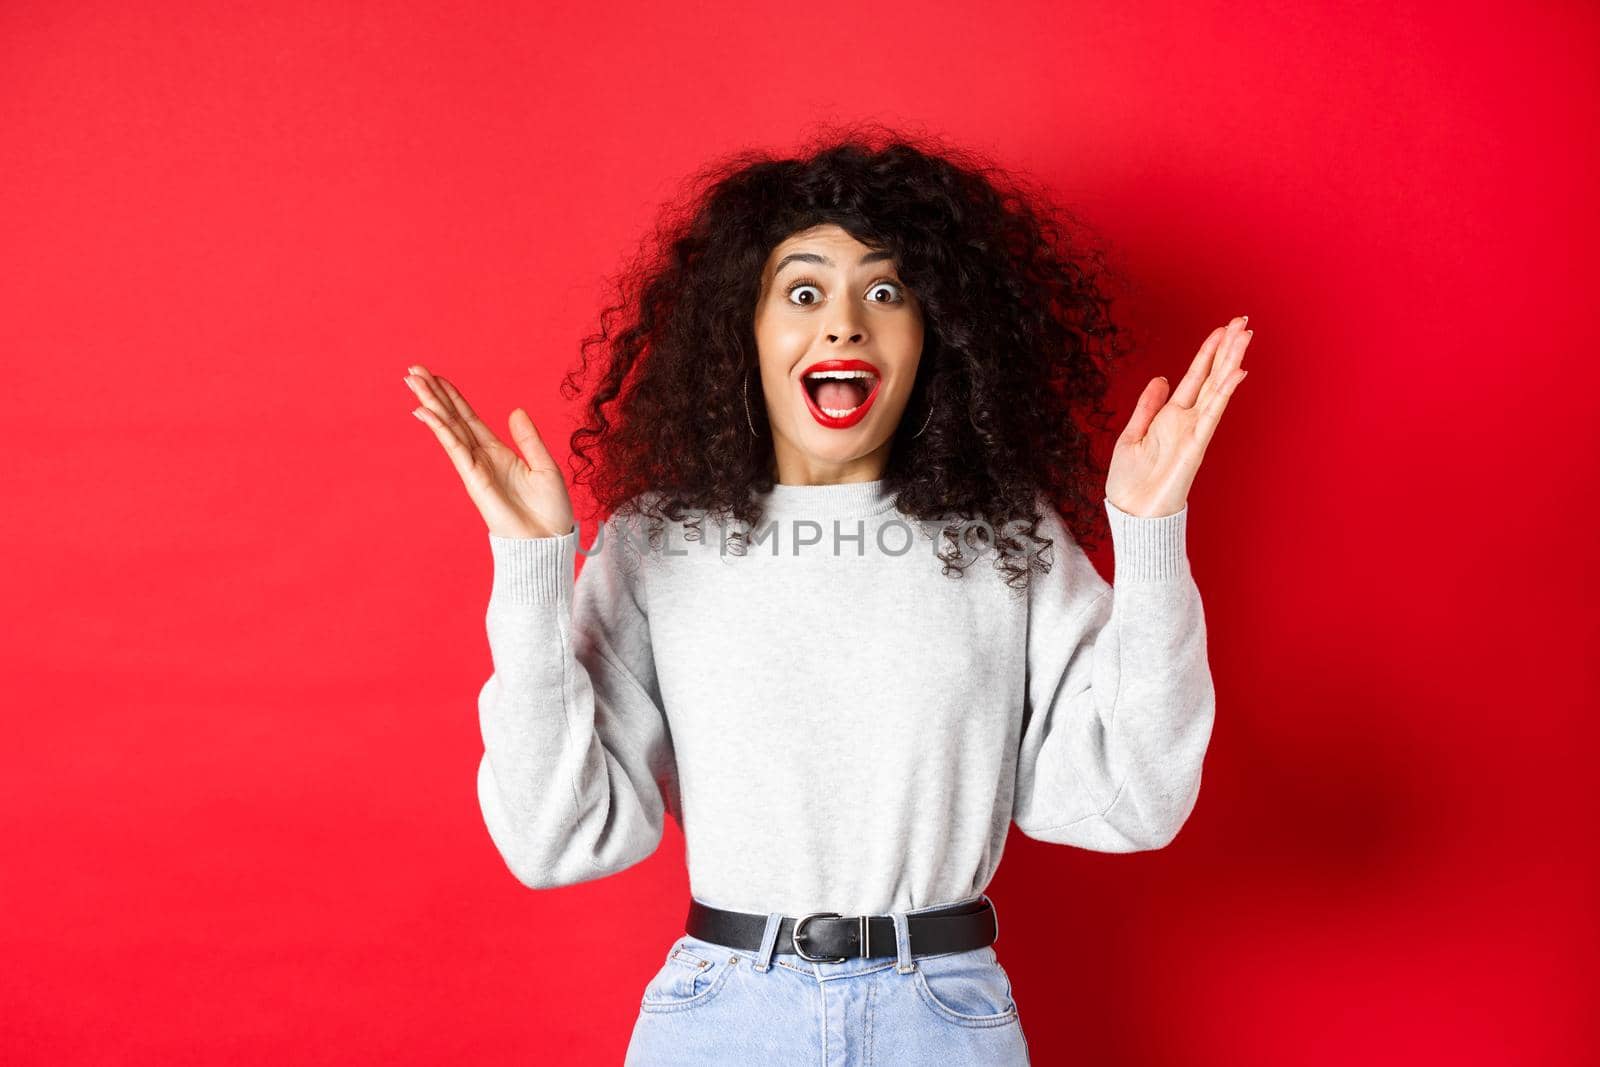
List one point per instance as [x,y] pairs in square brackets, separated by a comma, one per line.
[846,324]
[853,333]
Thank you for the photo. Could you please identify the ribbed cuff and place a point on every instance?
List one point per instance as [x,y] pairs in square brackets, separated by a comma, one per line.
[1148,549]
[533,570]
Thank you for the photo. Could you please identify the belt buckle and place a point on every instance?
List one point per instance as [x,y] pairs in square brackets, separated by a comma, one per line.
[794,937]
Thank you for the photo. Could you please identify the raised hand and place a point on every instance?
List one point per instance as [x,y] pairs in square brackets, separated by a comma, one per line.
[518,496]
[1157,457]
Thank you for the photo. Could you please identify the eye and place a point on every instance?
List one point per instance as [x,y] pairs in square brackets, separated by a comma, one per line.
[804,283]
[896,294]
[892,286]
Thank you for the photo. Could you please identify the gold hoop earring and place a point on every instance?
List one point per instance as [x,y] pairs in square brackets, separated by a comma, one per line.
[747,418]
[925,422]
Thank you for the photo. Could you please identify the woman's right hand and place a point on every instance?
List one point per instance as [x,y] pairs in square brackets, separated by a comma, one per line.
[518,496]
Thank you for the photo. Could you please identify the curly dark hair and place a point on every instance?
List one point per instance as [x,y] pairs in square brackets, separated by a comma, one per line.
[1017,343]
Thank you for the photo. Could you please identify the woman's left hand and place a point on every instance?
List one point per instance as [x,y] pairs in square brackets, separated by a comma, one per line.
[1156,458]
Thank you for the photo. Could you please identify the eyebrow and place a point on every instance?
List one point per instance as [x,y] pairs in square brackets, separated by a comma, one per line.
[812,257]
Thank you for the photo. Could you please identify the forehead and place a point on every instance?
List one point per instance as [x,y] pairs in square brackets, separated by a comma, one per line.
[829,240]
[828,235]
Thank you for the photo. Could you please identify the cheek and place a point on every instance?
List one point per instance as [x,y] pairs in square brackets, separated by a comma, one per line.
[907,349]
[780,344]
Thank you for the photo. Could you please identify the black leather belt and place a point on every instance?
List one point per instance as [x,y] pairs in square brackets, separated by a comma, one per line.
[828,937]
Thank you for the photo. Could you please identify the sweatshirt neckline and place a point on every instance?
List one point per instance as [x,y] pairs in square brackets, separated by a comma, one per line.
[836,500]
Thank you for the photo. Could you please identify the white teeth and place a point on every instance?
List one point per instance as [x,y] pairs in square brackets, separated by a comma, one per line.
[841,374]
[839,413]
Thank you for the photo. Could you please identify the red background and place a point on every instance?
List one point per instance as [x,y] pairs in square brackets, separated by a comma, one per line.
[245,590]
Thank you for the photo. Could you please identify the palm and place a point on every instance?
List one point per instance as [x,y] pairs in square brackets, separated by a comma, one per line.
[1157,457]
[517,495]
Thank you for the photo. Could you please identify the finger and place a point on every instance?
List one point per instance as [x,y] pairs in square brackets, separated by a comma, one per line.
[1211,413]
[480,431]
[460,455]
[1188,391]
[436,383]
[1227,361]
[431,398]
[529,443]
[1144,412]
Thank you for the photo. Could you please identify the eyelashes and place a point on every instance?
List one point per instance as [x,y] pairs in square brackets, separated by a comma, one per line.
[802,283]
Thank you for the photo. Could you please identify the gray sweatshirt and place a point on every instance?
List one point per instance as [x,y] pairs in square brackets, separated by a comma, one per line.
[834,723]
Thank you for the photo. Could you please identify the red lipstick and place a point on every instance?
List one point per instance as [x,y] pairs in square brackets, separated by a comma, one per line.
[856,414]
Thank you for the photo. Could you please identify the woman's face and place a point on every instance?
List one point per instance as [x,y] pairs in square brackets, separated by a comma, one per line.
[839,339]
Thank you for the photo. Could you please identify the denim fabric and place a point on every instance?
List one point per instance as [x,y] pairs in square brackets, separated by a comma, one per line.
[711,1004]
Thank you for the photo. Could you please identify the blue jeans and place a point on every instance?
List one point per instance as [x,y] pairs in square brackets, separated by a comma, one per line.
[711,1004]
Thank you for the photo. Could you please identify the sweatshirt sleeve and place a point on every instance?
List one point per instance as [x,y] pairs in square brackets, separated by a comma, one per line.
[578,769]
[1120,700]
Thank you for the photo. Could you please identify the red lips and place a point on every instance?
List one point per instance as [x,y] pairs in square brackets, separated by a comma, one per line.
[860,412]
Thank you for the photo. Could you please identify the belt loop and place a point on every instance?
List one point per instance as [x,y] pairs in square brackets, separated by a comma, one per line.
[995,913]
[903,963]
[769,941]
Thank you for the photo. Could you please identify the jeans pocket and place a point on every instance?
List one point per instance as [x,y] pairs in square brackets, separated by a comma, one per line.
[693,973]
[966,988]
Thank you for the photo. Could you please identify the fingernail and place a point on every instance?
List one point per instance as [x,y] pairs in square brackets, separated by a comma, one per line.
[418,413]
[1243,319]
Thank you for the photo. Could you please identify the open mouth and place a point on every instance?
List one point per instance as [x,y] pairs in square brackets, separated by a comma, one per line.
[839,392]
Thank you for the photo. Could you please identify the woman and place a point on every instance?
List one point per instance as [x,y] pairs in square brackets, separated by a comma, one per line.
[841,719]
